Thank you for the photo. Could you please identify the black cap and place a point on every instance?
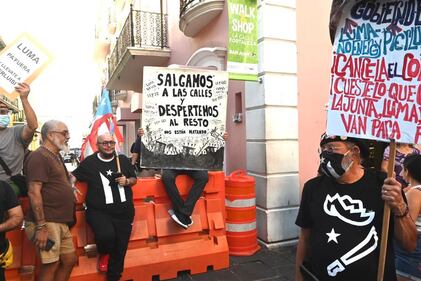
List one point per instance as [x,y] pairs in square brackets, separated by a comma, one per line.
[361,143]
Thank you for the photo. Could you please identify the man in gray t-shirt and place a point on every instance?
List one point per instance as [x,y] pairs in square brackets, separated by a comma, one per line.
[14,140]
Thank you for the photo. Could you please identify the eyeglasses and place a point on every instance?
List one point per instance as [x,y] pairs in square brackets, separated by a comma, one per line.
[107,143]
[64,133]
[332,148]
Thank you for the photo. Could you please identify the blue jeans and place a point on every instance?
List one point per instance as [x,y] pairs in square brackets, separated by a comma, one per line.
[407,264]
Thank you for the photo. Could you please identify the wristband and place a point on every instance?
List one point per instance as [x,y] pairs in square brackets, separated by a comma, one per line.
[404,212]
[40,226]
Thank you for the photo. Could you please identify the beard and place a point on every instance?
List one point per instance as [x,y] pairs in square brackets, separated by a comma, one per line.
[107,155]
[62,146]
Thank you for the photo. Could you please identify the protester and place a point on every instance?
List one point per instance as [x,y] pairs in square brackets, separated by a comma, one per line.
[402,150]
[109,201]
[341,216]
[52,203]
[408,264]
[183,209]
[135,151]
[14,140]
[10,217]
[335,16]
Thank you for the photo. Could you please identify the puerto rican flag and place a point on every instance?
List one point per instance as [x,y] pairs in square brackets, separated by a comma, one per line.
[104,122]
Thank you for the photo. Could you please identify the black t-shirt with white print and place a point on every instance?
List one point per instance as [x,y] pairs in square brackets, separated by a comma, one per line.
[345,222]
[98,174]
[8,200]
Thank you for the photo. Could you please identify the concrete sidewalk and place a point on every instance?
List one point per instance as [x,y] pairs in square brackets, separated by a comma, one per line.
[268,265]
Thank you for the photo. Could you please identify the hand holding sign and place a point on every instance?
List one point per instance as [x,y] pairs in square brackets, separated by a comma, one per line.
[21,62]
[23,89]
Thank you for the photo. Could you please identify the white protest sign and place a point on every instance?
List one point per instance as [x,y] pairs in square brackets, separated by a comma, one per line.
[183,116]
[21,61]
[375,90]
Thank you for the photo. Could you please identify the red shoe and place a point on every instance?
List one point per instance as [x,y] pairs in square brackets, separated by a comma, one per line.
[103,263]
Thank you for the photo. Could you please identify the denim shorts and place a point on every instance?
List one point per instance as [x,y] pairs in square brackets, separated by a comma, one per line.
[409,264]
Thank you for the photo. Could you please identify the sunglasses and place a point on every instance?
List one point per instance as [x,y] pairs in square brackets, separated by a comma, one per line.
[107,143]
[64,133]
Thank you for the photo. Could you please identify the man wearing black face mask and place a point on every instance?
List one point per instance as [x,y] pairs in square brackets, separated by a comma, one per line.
[341,216]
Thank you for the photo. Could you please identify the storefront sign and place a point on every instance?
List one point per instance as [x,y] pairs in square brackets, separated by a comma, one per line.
[242,40]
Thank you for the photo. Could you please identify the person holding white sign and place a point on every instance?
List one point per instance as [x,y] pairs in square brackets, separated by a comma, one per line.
[341,214]
[14,140]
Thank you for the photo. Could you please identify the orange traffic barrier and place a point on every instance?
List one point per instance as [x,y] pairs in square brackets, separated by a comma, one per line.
[241,214]
[24,256]
[158,246]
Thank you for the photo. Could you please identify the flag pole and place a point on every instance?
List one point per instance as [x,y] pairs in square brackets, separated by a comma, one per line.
[118,161]
[386,216]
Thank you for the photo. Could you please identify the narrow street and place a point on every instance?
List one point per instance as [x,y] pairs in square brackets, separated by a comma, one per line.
[266,265]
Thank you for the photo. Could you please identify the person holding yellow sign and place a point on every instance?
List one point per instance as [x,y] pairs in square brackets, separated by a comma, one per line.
[14,140]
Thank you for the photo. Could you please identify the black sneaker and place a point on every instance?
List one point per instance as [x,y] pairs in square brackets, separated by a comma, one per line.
[189,221]
[178,218]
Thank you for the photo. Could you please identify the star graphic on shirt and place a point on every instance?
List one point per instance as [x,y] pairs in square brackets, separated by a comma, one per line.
[322,160]
[109,173]
[332,236]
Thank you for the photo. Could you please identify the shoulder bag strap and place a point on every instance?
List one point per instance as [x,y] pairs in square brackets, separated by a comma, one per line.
[5,167]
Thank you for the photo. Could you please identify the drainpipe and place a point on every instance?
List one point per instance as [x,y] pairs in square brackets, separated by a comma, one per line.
[131,26]
[162,26]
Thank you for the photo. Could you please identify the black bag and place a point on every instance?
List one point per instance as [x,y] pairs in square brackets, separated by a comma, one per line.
[19,180]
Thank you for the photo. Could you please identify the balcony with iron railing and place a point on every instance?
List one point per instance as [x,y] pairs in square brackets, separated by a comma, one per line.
[13,105]
[196,14]
[142,41]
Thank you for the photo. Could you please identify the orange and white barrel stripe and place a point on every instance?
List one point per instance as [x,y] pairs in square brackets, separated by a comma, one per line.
[240,203]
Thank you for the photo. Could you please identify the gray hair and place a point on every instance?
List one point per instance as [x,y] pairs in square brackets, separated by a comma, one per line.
[49,126]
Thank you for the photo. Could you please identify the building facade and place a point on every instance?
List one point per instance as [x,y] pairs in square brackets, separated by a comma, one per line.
[273,124]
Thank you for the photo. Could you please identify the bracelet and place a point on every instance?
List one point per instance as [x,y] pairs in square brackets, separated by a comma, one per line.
[404,212]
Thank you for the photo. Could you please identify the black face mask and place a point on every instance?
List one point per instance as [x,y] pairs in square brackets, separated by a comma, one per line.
[331,164]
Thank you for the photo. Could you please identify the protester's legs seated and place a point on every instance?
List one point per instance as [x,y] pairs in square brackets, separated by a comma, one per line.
[184,209]
[200,178]
[168,178]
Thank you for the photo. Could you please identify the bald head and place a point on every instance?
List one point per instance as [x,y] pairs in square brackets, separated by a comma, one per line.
[104,137]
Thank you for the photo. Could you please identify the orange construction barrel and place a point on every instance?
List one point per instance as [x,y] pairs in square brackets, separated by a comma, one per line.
[240,203]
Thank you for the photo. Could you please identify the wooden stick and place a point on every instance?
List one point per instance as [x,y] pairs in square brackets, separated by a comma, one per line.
[386,216]
[118,161]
